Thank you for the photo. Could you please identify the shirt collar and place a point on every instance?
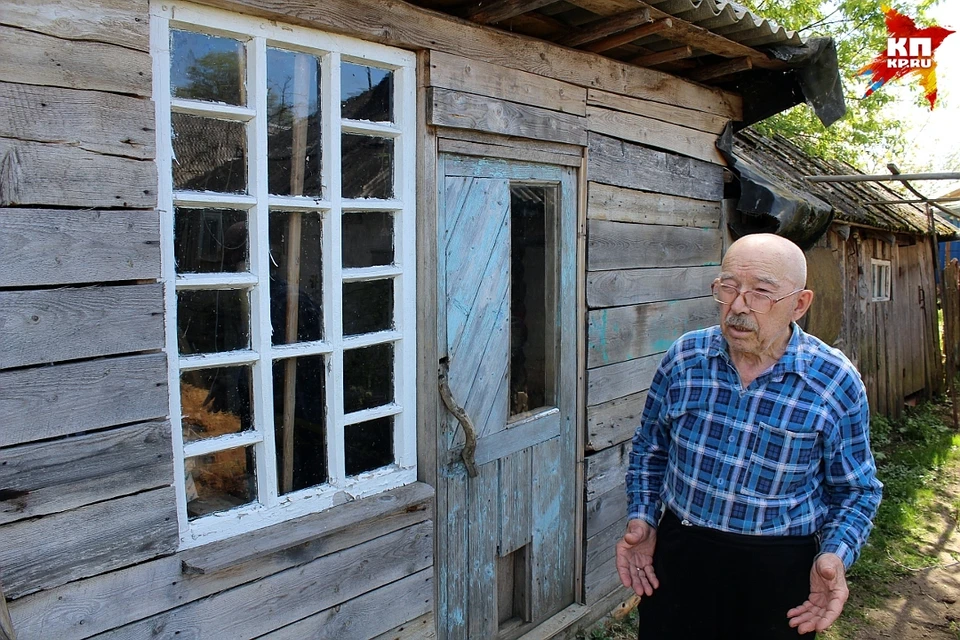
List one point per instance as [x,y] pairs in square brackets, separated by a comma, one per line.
[793,360]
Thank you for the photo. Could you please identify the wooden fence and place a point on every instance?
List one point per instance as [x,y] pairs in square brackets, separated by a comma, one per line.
[951,329]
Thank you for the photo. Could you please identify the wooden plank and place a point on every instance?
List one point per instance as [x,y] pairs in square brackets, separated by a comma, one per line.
[655,133]
[51,325]
[515,486]
[606,510]
[34,58]
[628,36]
[482,553]
[377,612]
[453,607]
[76,610]
[422,628]
[397,23]
[46,552]
[606,469]
[54,476]
[507,153]
[32,173]
[621,379]
[259,607]
[624,333]
[463,166]
[517,437]
[667,113]
[603,582]
[551,563]
[487,138]
[615,421]
[91,120]
[557,623]
[47,402]
[470,111]
[54,246]
[495,81]
[621,245]
[607,202]
[623,164]
[119,22]
[721,69]
[602,28]
[662,57]
[601,547]
[637,286]
[218,556]
[499,10]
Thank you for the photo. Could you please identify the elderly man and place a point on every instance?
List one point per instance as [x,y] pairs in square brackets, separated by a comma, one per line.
[755,441]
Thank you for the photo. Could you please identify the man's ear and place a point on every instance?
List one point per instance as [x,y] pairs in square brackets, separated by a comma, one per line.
[804,300]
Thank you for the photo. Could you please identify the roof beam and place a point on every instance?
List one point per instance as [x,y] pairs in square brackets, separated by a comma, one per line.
[606,27]
[504,9]
[644,30]
[721,69]
[859,177]
[663,56]
[896,171]
[912,201]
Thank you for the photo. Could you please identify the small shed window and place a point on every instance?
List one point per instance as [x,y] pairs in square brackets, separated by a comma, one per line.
[286,165]
[881,280]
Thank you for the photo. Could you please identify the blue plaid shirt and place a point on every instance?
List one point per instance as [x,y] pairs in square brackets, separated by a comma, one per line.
[788,455]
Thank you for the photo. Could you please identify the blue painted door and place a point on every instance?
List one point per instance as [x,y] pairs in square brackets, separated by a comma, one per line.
[507,335]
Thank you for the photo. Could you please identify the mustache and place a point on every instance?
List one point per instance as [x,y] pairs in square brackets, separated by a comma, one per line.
[742,322]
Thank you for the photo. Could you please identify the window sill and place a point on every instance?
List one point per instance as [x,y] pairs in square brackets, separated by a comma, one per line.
[401,507]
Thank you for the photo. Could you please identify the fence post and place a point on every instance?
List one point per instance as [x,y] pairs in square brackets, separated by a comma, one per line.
[951,330]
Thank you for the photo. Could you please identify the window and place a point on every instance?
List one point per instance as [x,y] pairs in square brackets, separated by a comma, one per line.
[881,279]
[286,160]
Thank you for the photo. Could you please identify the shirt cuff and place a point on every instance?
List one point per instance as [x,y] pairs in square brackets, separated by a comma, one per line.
[647,515]
[841,549]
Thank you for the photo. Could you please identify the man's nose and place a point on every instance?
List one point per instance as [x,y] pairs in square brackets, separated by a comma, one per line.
[739,304]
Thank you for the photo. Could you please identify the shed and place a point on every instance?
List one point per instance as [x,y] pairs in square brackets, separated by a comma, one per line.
[333,319]
[873,272]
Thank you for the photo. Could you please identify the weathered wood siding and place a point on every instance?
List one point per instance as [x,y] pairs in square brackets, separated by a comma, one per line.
[892,343]
[85,439]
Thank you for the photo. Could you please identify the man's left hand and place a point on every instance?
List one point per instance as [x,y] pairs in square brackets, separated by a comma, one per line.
[828,593]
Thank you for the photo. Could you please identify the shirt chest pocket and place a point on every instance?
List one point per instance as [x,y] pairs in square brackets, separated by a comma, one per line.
[781,463]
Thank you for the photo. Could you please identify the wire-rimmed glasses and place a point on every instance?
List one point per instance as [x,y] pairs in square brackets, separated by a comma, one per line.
[757,302]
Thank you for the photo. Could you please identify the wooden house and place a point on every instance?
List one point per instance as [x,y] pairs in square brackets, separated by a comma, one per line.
[332,319]
[873,272]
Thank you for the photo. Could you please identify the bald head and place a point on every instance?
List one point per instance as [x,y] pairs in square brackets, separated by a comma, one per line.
[782,259]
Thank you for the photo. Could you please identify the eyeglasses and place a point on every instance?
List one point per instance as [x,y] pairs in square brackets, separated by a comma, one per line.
[756,301]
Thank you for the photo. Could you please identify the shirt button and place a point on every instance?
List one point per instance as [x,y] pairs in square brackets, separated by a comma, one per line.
[731,438]
[719,482]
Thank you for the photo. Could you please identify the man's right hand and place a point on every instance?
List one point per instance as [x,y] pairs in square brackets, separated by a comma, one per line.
[635,558]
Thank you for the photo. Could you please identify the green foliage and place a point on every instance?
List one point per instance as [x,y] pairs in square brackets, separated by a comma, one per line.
[859,31]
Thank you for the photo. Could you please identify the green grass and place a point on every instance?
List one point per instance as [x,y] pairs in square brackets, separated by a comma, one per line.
[917,456]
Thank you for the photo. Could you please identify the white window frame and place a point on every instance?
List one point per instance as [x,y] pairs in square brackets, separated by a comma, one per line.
[880,281]
[258,34]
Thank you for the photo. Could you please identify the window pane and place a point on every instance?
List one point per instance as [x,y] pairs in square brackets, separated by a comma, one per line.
[210,240]
[215,402]
[531,298]
[208,154]
[368,445]
[296,277]
[367,93]
[367,239]
[293,123]
[367,167]
[367,377]
[213,320]
[220,481]
[206,67]
[367,306]
[299,402]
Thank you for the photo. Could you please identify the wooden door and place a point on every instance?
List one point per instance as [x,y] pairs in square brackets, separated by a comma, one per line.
[910,317]
[507,334]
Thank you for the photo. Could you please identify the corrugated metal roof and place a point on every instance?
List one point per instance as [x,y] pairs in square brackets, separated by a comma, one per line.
[784,161]
[731,20]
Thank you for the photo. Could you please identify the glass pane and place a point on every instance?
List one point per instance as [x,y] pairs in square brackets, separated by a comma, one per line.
[220,481]
[367,306]
[210,240]
[367,167]
[215,402]
[296,277]
[366,93]
[206,67]
[532,297]
[368,445]
[293,123]
[208,154]
[367,239]
[299,402]
[367,377]
[213,320]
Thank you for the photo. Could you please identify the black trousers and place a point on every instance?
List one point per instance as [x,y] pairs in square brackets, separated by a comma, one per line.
[724,586]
